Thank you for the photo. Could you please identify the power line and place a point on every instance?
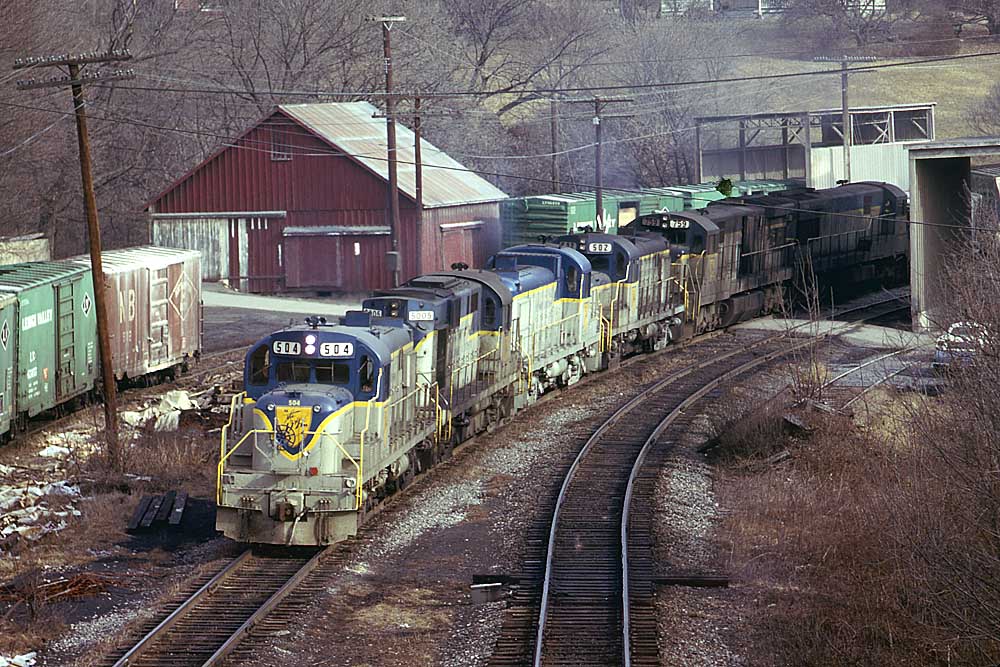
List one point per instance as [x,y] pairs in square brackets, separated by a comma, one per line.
[564,90]
[495,174]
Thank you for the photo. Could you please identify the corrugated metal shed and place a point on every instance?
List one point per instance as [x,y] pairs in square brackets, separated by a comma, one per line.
[311,166]
[349,126]
[875,162]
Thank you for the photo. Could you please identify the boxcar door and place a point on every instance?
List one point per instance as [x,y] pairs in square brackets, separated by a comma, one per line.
[66,379]
[159,333]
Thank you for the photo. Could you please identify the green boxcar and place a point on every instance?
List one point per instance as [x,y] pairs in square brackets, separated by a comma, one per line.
[8,343]
[56,350]
[524,219]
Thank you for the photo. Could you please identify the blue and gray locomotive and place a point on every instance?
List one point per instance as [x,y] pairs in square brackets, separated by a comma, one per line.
[334,417]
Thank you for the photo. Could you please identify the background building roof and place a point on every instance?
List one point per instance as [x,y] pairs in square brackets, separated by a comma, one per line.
[350,127]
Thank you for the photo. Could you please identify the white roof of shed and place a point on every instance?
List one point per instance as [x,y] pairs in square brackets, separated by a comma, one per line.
[350,127]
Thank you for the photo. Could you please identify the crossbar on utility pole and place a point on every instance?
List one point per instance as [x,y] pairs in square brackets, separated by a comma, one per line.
[392,258]
[599,115]
[75,81]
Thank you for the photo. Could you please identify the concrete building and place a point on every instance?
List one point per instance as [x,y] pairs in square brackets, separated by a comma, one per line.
[940,212]
[299,201]
[808,145]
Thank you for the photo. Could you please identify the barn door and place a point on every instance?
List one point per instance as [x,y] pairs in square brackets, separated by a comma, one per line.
[66,379]
[159,332]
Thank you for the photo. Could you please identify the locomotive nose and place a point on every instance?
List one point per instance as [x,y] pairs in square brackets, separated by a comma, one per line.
[297,414]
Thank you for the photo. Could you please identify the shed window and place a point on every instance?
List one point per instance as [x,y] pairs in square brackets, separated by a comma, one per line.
[333,372]
[281,145]
[293,371]
[260,366]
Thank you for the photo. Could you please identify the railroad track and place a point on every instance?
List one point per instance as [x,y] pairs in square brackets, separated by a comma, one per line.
[877,309]
[212,622]
[588,599]
[586,594]
[224,612]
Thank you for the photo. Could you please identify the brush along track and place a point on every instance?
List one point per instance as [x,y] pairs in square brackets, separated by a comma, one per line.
[210,624]
[569,608]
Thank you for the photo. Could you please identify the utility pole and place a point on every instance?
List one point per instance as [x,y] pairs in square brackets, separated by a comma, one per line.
[554,127]
[392,259]
[416,117]
[846,126]
[845,120]
[75,81]
[418,176]
[599,115]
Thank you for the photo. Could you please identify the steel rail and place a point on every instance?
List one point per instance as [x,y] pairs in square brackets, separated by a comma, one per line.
[265,609]
[640,460]
[146,642]
[585,450]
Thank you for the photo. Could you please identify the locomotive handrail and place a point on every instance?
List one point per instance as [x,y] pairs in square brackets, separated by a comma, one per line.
[270,432]
[223,455]
[358,487]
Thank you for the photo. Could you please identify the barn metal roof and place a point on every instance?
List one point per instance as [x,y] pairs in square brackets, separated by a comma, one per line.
[350,127]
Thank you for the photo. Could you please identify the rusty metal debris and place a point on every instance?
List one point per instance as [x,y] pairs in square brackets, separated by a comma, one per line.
[81,585]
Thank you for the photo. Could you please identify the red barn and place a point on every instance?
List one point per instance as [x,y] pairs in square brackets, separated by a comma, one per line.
[300,201]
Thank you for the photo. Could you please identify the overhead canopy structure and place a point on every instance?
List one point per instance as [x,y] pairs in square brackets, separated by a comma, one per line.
[809,144]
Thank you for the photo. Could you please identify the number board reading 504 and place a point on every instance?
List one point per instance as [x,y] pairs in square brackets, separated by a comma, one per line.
[336,350]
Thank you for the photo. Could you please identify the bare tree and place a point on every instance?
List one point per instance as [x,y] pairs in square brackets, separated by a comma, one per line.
[862,21]
[982,12]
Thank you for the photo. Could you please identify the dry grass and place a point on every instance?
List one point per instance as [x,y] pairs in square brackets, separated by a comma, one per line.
[155,463]
[955,86]
[842,548]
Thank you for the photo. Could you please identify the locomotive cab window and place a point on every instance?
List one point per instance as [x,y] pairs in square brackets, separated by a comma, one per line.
[333,372]
[600,263]
[676,236]
[260,366]
[697,244]
[293,371]
[572,280]
[366,374]
[489,313]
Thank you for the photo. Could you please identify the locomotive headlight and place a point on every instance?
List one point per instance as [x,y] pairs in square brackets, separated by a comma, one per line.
[310,349]
[270,407]
[315,408]
[310,339]
[350,482]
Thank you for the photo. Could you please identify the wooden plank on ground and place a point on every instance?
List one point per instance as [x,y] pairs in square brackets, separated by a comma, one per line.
[168,504]
[140,511]
[178,512]
[693,580]
[154,507]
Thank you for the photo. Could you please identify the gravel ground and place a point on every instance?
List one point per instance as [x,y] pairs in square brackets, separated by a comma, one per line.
[404,599]
[409,583]
[707,627]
